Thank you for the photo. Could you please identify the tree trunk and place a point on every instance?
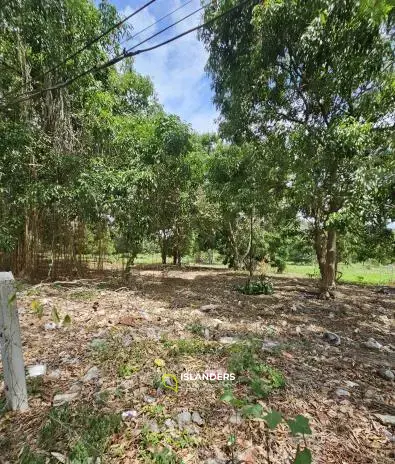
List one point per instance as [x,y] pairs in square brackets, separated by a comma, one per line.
[328,280]
[164,255]
[319,245]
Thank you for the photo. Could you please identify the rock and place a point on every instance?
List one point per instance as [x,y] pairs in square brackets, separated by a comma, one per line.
[64,398]
[55,374]
[50,326]
[153,426]
[37,370]
[149,399]
[236,418]
[128,415]
[183,419]
[192,429]
[206,334]
[350,384]
[228,340]
[385,419]
[127,384]
[127,340]
[373,344]
[332,338]
[209,307]
[75,388]
[170,424]
[386,373]
[270,345]
[196,417]
[341,392]
[92,374]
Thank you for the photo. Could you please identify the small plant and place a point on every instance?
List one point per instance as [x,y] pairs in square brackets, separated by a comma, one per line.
[298,426]
[257,287]
[196,328]
[37,308]
[126,370]
[189,347]
[27,456]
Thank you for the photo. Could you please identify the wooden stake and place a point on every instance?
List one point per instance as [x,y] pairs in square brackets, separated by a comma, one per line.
[11,345]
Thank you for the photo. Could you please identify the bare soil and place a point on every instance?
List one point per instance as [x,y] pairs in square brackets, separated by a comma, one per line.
[156,307]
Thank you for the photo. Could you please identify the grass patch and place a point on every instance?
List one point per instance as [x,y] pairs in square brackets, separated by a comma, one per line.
[196,328]
[189,347]
[82,295]
[256,287]
[27,456]
[79,433]
[245,361]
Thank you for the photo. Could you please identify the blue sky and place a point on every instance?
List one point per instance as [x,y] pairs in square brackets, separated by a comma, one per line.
[177,70]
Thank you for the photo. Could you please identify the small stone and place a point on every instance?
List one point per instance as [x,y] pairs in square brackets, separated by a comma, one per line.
[196,417]
[209,307]
[50,326]
[183,419]
[331,315]
[153,427]
[75,388]
[236,418]
[373,344]
[92,374]
[385,419]
[149,399]
[37,370]
[127,384]
[386,373]
[64,398]
[228,340]
[170,424]
[206,334]
[351,384]
[332,338]
[269,345]
[341,392]
[127,415]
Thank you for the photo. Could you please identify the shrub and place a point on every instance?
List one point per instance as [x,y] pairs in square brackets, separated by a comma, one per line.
[259,287]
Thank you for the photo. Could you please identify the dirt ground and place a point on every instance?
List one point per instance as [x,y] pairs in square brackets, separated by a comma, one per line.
[130,332]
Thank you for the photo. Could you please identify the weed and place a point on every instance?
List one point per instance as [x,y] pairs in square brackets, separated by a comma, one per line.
[259,287]
[27,456]
[189,347]
[82,295]
[126,370]
[196,328]
[34,385]
[80,433]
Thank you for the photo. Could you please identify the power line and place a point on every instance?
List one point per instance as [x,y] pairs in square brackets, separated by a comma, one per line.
[155,23]
[128,54]
[96,39]
[168,27]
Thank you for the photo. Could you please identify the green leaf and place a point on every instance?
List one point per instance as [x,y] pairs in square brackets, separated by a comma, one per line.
[299,425]
[231,440]
[272,419]
[252,410]
[227,396]
[303,457]
[55,315]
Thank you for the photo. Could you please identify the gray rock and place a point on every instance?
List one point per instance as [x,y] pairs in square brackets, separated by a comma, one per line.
[153,426]
[385,419]
[197,418]
[183,419]
[209,307]
[75,388]
[332,338]
[50,326]
[149,399]
[351,384]
[270,345]
[170,424]
[386,373]
[341,392]
[64,398]
[92,374]
[228,340]
[206,334]
[373,344]
[127,384]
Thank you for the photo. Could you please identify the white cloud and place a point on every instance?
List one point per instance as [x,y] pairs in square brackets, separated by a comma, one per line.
[177,69]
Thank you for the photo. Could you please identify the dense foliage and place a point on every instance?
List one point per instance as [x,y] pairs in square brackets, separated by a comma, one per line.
[97,167]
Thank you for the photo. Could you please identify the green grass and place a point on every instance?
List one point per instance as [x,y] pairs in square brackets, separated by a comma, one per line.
[353,273]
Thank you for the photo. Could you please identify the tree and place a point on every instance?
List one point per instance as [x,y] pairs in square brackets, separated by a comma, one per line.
[319,75]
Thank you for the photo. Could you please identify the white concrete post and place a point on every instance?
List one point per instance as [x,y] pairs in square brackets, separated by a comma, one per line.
[11,345]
